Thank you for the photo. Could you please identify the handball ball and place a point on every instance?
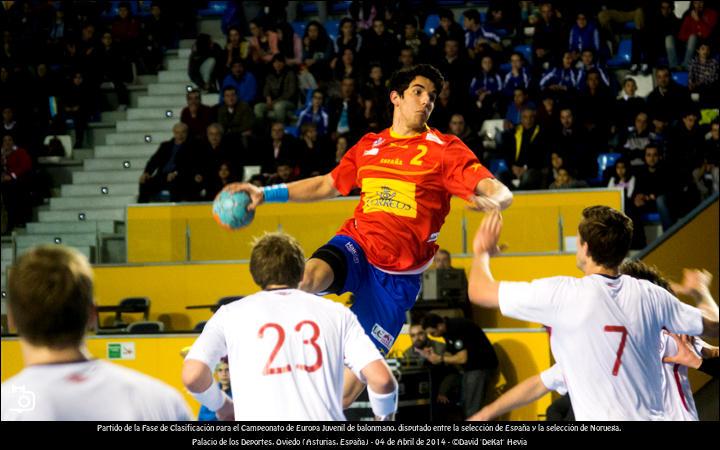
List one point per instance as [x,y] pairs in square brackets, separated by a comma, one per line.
[229,210]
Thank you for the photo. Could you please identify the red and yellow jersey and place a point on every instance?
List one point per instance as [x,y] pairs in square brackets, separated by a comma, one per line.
[406,184]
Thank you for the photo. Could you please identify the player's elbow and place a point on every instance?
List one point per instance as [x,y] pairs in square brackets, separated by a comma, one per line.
[483,293]
[380,379]
[194,376]
[504,196]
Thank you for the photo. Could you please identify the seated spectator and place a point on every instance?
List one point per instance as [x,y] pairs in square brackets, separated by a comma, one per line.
[623,177]
[346,112]
[11,126]
[380,45]
[341,147]
[697,25]
[548,41]
[196,115]
[77,104]
[316,114]
[290,44]
[588,64]
[116,69]
[414,39]
[316,155]
[479,42]
[469,137]
[650,195]
[236,117]
[375,90]
[280,147]
[346,66]
[520,102]
[565,180]
[636,139]
[158,35]
[498,21]
[406,59]
[619,14]
[317,51]
[243,81]
[280,92]
[225,174]
[707,176]
[547,112]
[526,153]
[563,78]
[518,77]
[584,35]
[263,42]
[628,105]
[455,67]
[448,29]
[126,32]
[704,76]
[16,183]
[668,99]
[167,169]
[485,90]
[222,374]
[684,149]
[205,161]
[283,174]
[595,106]
[348,37]
[446,105]
[205,65]
[233,47]
[663,25]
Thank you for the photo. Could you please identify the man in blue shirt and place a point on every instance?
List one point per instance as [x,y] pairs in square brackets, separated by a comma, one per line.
[243,81]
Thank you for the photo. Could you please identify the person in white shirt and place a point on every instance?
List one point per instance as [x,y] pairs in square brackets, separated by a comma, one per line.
[605,326]
[51,305]
[287,349]
[677,353]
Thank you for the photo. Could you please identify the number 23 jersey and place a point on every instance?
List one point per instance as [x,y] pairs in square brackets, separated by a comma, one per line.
[406,184]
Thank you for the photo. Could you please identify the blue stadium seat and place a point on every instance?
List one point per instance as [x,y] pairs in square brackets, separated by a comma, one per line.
[340,8]
[524,50]
[505,67]
[622,57]
[651,218]
[333,28]
[680,78]
[431,23]
[309,8]
[292,130]
[299,27]
[213,9]
[498,166]
[604,162]
[629,26]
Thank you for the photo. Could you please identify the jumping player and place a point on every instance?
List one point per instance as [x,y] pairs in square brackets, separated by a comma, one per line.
[286,348]
[407,175]
[605,326]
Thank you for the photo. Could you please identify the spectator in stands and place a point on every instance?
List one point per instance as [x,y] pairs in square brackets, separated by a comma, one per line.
[77,104]
[263,42]
[455,66]
[157,35]
[565,180]
[628,105]
[346,66]
[346,112]
[226,173]
[375,89]
[167,168]
[548,40]
[10,125]
[498,20]
[685,144]
[698,24]
[116,69]
[206,161]
[205,65]
[485,90]
[316,113]
[662,28]
[572,142]
[526,153]
[483,42]
[317,51]
[196,115]
[588,60]
[636,139]
[562,79]
[316,155]
[458,128]
[280,147]
[468,349]
[236,117]
[415,39]
[448,30]
[623,177]
[379,45]
[222,374]
[650,195]
[348,37]
[668,99]
[707,176]
[520,102]
[704,76]
[233,47]
[446,105]
[621,13]
[283,174]
[584,35]
[290,44]
[547,112]
[341,147]
[280,92]
[406,58]
[16,182]
[87,48]
[243,81]
[126,32]
[442,260]
[596,106]
[518,77]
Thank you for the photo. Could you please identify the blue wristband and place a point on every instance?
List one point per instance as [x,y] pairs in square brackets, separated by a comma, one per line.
[277,193]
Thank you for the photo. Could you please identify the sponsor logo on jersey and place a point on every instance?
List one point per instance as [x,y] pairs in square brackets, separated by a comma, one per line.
[353,251]
[434,237]
[394,162]
[391,196]
[378,142]
[372,151]
[382,336]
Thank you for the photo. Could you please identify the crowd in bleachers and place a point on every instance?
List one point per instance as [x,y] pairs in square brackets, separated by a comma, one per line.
[547,94]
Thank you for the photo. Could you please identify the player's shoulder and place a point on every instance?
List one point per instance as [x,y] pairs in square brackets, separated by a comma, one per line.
[445,141]
[136,381]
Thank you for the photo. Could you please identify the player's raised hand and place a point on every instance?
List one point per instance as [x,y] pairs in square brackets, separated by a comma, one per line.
[694,282]
[685,355]
[488,233]
[257,197]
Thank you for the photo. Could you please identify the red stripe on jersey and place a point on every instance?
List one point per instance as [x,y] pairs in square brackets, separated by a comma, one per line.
[676,373]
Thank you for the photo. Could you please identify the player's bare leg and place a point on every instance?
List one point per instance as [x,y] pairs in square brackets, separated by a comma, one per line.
[318,276]
[352,388]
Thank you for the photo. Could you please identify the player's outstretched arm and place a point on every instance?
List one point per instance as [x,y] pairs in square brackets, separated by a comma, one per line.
[312,189]
[482,287]
[491,194]
[382,389]
[198,379]
[696,284]
[520,395]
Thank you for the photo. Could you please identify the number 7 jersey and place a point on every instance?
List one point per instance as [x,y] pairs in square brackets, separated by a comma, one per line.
[406,184]
[286,353]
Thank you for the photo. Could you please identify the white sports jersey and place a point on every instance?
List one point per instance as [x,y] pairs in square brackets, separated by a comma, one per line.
[286,352]
[553,379]
[605,336]
[677,392]
[92,390]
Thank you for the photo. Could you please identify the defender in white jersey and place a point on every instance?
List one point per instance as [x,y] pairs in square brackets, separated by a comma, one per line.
[286,349]
[51,305]
[605,326]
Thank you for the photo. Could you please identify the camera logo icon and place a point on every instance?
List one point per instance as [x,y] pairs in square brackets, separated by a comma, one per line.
[24,399]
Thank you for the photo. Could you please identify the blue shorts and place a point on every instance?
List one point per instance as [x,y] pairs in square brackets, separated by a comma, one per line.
[381,299]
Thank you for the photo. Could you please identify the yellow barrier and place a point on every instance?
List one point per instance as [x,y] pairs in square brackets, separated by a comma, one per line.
[521,355]
[180,233]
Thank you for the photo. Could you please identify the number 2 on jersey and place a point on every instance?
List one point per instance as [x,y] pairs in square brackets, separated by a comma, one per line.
[267,370]
[417,160]
[621,347]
